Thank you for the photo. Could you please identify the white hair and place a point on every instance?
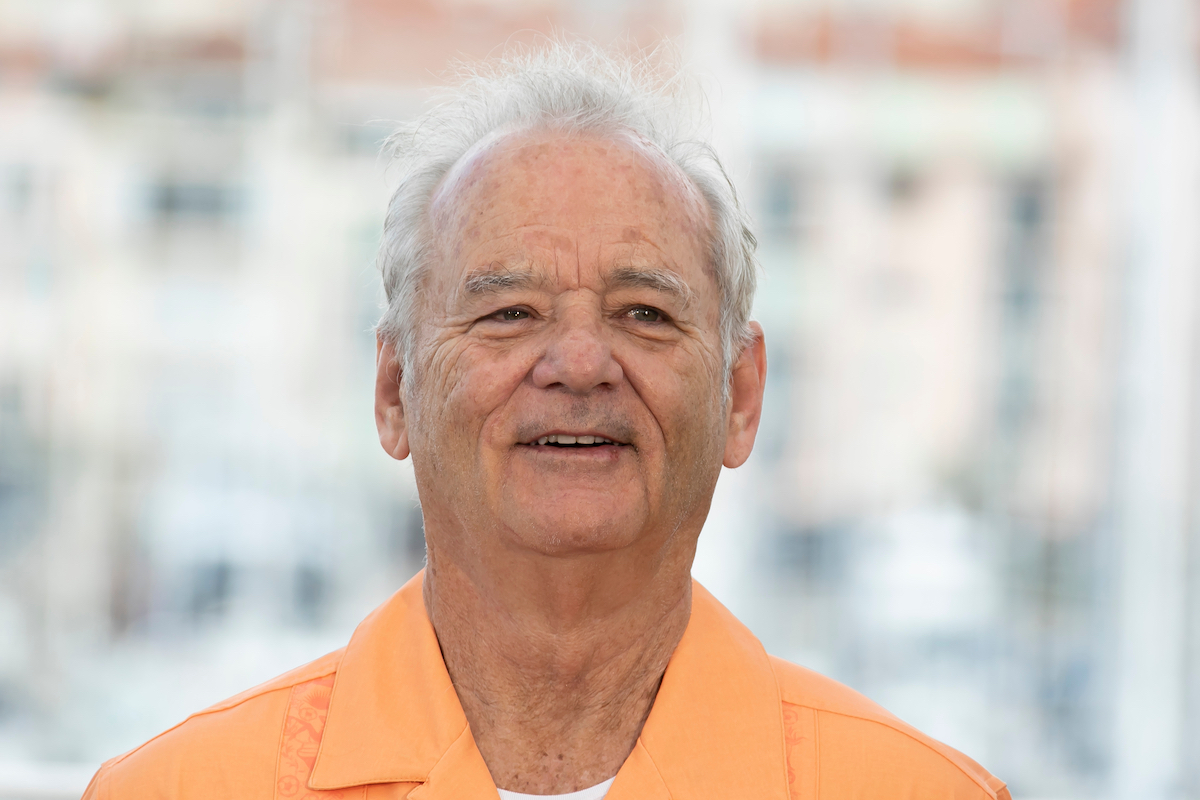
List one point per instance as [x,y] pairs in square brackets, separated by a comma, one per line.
[576,87]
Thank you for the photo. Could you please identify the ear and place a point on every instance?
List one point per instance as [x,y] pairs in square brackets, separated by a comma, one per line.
[389,401]
[747,381]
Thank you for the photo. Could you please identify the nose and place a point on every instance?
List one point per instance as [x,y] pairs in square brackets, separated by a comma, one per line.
[578,355]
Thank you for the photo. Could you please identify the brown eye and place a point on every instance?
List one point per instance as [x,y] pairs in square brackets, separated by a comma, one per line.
[645,314]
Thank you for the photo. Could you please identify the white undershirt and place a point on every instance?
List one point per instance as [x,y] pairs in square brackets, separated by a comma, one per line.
[596,792]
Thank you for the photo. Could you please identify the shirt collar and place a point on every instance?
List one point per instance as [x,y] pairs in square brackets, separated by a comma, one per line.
[394,717]
[716,727]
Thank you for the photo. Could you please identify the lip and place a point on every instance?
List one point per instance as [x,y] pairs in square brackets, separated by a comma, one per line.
[604,455]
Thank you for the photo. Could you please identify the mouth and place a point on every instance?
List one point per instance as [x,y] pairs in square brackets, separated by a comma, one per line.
[574,441]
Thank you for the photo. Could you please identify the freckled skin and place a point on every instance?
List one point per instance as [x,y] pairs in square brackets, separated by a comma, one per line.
[558,581]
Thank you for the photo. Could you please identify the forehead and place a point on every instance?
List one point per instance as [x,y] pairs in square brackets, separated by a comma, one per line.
[540,187]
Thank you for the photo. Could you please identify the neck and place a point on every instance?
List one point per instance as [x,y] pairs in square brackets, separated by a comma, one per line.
[557,661]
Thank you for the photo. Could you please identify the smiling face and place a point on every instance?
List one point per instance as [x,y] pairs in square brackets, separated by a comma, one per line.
[566,393]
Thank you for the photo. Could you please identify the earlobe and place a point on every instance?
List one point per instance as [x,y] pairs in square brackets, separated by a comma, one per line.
[747,382]
[390,419]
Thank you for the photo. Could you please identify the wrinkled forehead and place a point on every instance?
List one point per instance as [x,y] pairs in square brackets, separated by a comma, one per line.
[550,175]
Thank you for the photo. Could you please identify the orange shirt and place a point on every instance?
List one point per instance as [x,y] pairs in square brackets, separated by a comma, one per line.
[380,719]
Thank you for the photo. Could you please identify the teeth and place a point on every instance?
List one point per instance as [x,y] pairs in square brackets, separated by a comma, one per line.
[562,438]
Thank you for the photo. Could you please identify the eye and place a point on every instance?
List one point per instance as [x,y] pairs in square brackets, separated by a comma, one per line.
[645,314]
[511,314]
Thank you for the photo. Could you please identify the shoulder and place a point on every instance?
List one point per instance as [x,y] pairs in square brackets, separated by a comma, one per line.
[227,750]
[861,750]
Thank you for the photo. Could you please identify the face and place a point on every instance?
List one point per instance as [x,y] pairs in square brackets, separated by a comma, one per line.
[566,393]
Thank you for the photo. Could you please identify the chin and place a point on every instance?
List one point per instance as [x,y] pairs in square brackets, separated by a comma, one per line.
[569,535]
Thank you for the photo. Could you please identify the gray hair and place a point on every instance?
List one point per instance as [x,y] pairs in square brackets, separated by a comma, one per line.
[571,86]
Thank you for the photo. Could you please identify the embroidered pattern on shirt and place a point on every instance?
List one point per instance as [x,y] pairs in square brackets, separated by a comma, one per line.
[791,737]
[302,728]
[799,738]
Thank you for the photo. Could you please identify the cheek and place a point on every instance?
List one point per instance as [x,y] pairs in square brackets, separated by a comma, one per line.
[678,390]
[472,384]
[686,400]
[438,378]
[486,388]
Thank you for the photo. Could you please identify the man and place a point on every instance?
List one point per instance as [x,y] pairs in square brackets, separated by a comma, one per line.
[567,357]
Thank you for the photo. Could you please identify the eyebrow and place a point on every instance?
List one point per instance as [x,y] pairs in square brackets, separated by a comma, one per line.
[491,280]
[486,281]
[659,280]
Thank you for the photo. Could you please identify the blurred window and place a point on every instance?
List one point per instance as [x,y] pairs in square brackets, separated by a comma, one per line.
[814,555]
[23,469]
[212,584]
[310,589]
[16,189]
[177,200]
[785,204]
[1024,259]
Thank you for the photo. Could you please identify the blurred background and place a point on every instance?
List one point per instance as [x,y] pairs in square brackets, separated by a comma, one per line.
[974,497]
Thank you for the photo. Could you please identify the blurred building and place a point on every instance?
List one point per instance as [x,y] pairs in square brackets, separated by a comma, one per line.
[980,372]
[936,205]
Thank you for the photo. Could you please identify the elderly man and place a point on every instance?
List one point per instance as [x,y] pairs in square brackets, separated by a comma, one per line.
[567,357]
